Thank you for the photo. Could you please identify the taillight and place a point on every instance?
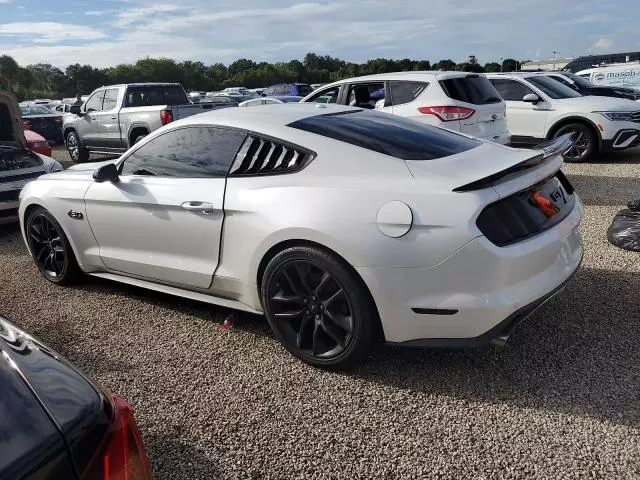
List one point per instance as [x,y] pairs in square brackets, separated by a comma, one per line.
[448,114]
[166,116]
[39,145]
[26,124]
[123,457]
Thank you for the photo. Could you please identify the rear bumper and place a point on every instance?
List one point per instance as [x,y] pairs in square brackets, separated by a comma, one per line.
[473,295]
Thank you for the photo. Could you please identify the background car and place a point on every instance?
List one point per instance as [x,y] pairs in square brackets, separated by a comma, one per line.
[330,226]
[458,101]
[540,108]
[585,87]
[288,89]
[37,143]
[40,119]
[269,100]
[58,424]
[18,164]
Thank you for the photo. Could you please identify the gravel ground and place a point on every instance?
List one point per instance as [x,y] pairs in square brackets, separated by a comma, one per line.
[561,401]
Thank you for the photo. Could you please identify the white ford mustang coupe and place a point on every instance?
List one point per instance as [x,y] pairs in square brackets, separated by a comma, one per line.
[342,226]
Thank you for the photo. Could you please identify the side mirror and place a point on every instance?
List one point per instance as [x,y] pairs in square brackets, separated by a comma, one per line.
[531,98]
[75,109]
[106,173]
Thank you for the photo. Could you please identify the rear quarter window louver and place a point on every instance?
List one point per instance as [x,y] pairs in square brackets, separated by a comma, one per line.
[260,156]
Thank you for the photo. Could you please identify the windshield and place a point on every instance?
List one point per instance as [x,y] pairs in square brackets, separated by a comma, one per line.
[34,110]
[577,79]
[552,87]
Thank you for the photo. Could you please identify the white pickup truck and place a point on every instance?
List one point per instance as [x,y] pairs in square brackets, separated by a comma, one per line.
[117,116]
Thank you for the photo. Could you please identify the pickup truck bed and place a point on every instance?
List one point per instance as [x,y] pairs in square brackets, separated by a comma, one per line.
[115,117]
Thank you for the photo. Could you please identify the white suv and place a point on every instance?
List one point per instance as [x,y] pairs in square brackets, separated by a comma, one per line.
[539,108]
[459,101]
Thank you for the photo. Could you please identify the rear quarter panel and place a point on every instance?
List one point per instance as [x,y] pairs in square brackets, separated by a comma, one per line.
[335,202]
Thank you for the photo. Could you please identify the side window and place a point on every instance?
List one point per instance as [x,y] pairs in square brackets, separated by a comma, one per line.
[365,94]
[110,99]
[405,92]
[191,152]
[329,95]
[511,90]
[94,104]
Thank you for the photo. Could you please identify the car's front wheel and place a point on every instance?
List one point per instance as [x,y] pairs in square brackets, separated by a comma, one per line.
[317,308]
[584,146]
[50,248]
[77,152]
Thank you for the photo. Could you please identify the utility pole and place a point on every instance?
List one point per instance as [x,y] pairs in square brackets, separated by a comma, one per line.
[554,59]
[501,62]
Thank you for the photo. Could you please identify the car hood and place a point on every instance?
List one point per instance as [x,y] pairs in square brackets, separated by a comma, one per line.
[10,118]
[594,104]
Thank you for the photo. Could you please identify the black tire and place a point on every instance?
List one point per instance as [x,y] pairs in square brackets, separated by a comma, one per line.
[139,137]
[317,308]
[77,152]
[586,144]
[50,248]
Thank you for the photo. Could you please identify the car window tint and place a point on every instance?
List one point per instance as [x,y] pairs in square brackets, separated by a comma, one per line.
[474,89]
[405,92]
[94,104]
[304,90]
[110,99]
[329,95]
[511,90]
[561,79]
[191,152]
[552,87]
[388,134]
[150,95]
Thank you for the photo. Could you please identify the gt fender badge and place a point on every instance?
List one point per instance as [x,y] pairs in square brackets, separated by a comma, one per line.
[75,215]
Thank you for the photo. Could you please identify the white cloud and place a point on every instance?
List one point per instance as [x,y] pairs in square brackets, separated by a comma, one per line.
[279,30]
[603,44]
[50,32]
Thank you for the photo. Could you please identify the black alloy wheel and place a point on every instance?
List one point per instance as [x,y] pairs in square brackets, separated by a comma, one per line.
[50,248]
[316,308]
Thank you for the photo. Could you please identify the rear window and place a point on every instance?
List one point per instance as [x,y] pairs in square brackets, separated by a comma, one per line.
[304,90]
[474,89]
[33,110]
[145,96]
[387,134]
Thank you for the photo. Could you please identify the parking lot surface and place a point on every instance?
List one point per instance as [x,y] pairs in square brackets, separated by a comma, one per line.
[561,401]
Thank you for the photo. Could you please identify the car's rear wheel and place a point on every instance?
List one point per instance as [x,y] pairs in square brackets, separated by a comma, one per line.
[584,146]
[50,248]
[317,308]
[77,152]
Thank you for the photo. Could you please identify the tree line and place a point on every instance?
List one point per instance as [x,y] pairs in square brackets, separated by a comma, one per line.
[43,80]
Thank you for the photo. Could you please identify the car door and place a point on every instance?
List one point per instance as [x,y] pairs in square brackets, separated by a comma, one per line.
[162,220]
[108,124]
[87,124]
[525,120]
[376,93]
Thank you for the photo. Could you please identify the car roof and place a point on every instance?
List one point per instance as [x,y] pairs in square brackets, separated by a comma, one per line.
[262,116]
[413,75]
[519,74]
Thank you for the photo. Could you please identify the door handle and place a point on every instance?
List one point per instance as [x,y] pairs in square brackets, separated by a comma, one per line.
[198,207]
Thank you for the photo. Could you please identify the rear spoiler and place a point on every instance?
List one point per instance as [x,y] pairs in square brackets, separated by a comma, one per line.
[549,149]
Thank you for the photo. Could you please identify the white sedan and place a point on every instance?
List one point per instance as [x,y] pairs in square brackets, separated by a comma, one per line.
[342,226]
[269,100]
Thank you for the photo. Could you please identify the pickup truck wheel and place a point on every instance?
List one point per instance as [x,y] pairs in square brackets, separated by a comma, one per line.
[138,138]
[77,152]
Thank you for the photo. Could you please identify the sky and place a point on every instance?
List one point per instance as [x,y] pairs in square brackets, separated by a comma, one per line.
[109,32]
